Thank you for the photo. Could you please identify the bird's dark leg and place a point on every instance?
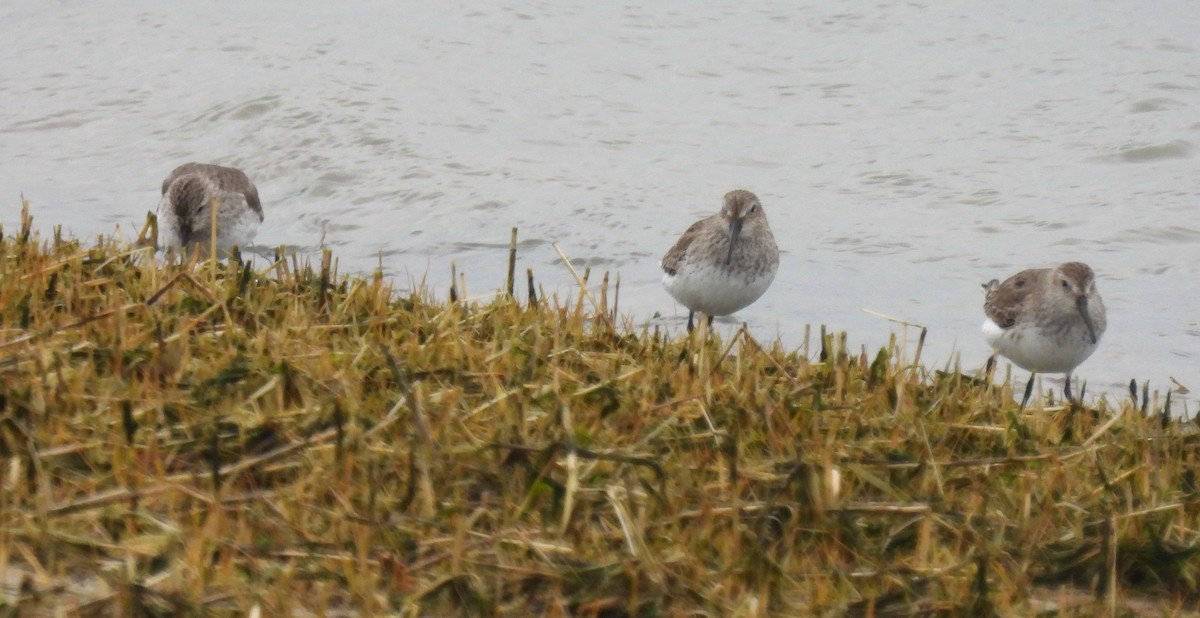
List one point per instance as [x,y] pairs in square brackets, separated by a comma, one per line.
[1067,390]
[691,325]
[1028,390]
[710,318]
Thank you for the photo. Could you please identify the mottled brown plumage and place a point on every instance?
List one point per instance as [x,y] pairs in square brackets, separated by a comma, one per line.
[1045,319]
[670,261]
[223,178]
[739,205]
[725,262]
[188,194]
[1005,301]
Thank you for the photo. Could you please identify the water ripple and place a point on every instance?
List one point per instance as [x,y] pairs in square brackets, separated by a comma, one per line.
[1176,149]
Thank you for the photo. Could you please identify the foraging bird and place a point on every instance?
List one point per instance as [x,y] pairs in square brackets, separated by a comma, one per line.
[1046,320]
[725,262]
[188,193]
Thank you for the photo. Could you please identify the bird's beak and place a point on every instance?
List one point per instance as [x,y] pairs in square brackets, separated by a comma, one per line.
[1082,305]
[735,230]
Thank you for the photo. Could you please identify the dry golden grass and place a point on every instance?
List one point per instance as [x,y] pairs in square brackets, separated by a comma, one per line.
[210,439]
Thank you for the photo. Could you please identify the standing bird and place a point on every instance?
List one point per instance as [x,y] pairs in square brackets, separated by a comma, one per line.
[723,263]
[188,193]
[1045,319]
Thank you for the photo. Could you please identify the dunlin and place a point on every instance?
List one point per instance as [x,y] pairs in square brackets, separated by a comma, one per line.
[723,263]
[1045,320]
[188,193]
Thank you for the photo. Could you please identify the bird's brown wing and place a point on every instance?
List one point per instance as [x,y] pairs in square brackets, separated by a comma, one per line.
[186,168]
[670,261]
[251,193]
[235,180]
[223,178]
[1003,302]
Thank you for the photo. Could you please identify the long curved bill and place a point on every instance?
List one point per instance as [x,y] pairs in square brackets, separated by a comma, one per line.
[1082,305]
[735,230]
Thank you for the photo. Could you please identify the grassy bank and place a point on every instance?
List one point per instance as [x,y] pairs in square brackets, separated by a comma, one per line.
[212,439]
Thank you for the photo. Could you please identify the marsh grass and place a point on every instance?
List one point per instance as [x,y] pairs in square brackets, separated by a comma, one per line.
[207,438]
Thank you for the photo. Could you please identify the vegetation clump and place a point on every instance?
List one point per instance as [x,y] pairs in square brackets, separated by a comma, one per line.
[202,437]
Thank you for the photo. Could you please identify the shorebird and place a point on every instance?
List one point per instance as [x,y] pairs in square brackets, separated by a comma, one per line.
[1045,320]
[188,193]
[725,262]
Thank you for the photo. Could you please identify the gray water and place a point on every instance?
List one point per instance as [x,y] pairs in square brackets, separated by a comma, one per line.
[905,152]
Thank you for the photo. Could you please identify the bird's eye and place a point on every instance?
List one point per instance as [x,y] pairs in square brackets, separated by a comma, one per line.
[1066,286]
[754,208]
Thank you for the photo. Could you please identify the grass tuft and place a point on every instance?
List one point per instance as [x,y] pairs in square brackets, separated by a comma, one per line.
[207,437]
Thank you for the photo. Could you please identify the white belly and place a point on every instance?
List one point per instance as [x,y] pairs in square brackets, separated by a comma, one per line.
[716,291]
[1027,347]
